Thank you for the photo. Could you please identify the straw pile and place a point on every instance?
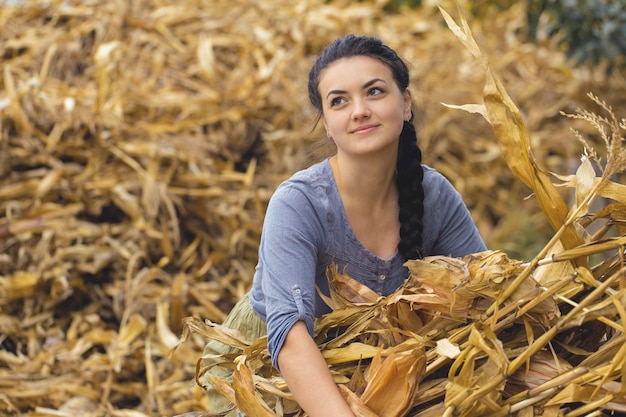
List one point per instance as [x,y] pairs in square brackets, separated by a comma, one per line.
[140,142]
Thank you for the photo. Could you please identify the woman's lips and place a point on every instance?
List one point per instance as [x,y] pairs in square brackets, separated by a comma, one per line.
[364,129]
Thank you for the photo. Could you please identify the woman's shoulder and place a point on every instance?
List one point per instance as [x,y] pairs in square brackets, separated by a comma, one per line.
[433,178]
[437,188]
[304,201]
[309,180]
[431,174]
[318,171]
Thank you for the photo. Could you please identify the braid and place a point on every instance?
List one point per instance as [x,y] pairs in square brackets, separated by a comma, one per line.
[410,193]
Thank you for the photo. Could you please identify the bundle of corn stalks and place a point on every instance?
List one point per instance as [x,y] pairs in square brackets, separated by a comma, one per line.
[482,335]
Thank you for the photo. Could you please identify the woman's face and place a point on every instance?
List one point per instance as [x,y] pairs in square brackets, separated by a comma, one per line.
[363,108]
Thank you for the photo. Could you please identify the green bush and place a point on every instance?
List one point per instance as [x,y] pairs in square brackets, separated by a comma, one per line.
[592,31]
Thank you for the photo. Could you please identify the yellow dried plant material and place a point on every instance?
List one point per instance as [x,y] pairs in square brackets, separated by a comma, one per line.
[402,315]
[355,319]
[447,349]
[346,291]
[476,388]
[246,397]
[542,368]
[393,381]
[616,212]
[585,179]
[224,388]
[16,109]
[213,331]
[129,413]
[351,353]
[19,285]
[549,275]
[491,272]
[456,286]
[180,289]
[506,120]
[574,393]
[437,280]
[166,336]
[356,404]
[128,334]
[592,248]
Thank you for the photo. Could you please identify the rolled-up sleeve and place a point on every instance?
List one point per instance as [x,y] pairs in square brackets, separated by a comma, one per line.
[288,253]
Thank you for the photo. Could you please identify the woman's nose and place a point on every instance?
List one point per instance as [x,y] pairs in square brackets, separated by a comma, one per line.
[360,109]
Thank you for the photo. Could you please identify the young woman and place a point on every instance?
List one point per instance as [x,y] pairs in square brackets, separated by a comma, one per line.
[368,209]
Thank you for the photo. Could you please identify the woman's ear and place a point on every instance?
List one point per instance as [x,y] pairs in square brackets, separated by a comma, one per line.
[407,105]
[328,135]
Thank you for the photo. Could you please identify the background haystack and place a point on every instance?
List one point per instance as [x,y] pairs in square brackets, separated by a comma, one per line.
[140,142]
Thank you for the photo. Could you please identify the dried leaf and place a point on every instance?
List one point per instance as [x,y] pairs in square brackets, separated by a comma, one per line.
[247,400]
[585,178]
[393,382]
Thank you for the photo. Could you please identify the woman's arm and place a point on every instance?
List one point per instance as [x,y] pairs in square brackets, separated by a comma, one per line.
[307,375]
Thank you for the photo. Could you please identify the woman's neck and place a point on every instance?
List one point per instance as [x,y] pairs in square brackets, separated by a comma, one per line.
[370,200]
[365,182]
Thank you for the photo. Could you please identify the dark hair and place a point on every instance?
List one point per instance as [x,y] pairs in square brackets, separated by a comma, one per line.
[409,171]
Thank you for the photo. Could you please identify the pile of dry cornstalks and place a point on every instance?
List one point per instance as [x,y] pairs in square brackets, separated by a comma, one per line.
[140,142]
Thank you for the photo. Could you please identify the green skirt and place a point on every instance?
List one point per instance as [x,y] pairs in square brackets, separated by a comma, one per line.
[243,318]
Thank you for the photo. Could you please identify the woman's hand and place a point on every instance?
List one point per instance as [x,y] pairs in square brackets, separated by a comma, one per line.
[307,375]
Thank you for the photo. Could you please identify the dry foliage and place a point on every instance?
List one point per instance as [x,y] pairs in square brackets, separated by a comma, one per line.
[140,142]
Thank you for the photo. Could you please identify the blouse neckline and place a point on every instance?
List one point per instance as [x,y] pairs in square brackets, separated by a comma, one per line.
[344,218]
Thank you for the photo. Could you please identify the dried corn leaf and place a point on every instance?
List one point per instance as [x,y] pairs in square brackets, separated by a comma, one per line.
[247,400]
[344,291]
[513,138]
[353,352]
[456,286]
[356,404]
[393,381]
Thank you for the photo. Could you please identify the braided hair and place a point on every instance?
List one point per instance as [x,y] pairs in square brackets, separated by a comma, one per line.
[409,171]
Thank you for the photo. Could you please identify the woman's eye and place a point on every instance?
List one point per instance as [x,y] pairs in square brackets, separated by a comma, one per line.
[374,91]
[336,101]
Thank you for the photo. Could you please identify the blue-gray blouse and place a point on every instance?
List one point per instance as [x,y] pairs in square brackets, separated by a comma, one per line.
[306,230]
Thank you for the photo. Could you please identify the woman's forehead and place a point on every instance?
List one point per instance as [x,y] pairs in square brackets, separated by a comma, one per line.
[353,70]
